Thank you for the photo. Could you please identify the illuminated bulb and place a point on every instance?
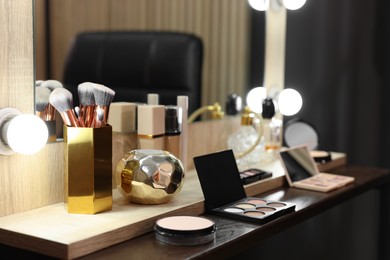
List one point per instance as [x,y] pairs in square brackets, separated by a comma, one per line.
[24,134]
[289,102]
[259,5]
[293,4]
[254,99]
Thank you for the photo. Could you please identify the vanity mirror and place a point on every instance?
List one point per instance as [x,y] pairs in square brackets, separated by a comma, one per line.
[223,26]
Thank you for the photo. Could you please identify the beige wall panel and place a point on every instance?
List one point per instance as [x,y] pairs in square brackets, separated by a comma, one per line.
[67,18]
[222,25]
[40,39]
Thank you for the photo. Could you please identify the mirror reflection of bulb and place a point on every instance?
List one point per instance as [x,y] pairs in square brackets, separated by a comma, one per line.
[254,99]
[293,4]
[259,5]
[289,102]
[27,134]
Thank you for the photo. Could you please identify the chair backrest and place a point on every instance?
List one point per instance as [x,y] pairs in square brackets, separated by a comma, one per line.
[135,63]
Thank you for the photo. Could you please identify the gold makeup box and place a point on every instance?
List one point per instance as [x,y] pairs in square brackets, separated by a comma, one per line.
[88,169]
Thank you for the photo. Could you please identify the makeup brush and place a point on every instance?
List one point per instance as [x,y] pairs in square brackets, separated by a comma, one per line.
[62,100]
[87,102]
[38,83]
[41,102]
[51,84]
[103,98]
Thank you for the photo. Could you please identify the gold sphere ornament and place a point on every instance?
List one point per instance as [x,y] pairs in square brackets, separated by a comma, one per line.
[149,176]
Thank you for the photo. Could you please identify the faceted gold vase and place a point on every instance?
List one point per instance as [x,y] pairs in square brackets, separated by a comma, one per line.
[149,176]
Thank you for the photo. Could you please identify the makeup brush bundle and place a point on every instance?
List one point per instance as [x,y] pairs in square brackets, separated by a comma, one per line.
[93,110]
[43,89]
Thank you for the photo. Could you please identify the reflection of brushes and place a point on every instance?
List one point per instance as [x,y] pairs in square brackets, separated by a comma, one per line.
[62,100]
[41,102]
[51,84]
[103,98]
[87,102]
[38,83]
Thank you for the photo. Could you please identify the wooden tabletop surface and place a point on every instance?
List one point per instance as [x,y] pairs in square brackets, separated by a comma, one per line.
[234,236]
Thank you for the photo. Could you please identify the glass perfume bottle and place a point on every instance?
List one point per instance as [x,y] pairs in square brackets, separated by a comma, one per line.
[272,127]
[244,138]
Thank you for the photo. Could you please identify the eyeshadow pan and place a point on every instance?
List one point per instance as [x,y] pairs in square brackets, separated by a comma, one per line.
[257,201]
[276,204]
[266,209]
[254,213]
[245,206]
[233,210]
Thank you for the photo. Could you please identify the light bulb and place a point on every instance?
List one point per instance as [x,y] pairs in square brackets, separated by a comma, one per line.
[259,5]
[27,134]
[289,102]
[21,133]
[293,4]
[254,99]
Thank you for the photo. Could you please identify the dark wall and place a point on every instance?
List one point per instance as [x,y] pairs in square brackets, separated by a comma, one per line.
[337,58]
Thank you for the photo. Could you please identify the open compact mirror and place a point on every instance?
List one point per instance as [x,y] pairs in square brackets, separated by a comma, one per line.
[298,132]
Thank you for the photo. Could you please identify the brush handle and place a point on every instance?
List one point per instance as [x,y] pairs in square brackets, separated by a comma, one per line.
[100,116]
[69,118]
[87,114]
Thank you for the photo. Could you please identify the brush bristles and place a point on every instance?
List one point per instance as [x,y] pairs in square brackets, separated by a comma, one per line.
[38,83]
[103,95]
[41,98]
[86,93]
[52,84]
[61,99]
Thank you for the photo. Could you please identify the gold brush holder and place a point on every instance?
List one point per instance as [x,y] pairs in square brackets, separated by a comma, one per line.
[88,169]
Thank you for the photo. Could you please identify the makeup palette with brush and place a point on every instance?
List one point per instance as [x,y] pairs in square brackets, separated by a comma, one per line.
[225,195]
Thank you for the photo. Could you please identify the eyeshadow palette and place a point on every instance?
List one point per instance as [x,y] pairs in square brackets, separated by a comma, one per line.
[225,195]
[255,209]
[253,175]
[302,172]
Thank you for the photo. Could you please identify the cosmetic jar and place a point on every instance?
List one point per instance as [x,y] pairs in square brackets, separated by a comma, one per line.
[321,156]
[149,176]
[185,230]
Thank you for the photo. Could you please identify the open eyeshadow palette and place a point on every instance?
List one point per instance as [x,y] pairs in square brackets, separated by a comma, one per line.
[302,171]
[225,195]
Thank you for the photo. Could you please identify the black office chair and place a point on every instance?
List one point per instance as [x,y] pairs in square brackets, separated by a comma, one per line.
[135,63]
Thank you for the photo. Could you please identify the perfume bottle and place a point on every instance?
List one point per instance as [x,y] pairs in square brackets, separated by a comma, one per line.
[272,127]
[244,138]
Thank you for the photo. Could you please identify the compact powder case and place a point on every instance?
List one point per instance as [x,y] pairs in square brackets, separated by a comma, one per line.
[185,230]
[225,195]
[299,132]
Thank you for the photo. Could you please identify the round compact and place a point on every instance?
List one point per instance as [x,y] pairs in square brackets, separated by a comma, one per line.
[185,230]
[298,132]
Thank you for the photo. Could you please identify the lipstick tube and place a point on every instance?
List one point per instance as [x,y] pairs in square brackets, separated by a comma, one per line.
[151,127]
[88,169]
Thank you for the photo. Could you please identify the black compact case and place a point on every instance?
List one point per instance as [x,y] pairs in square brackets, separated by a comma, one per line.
[225,195]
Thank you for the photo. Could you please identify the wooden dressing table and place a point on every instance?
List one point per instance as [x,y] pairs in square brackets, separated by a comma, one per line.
[235,236]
